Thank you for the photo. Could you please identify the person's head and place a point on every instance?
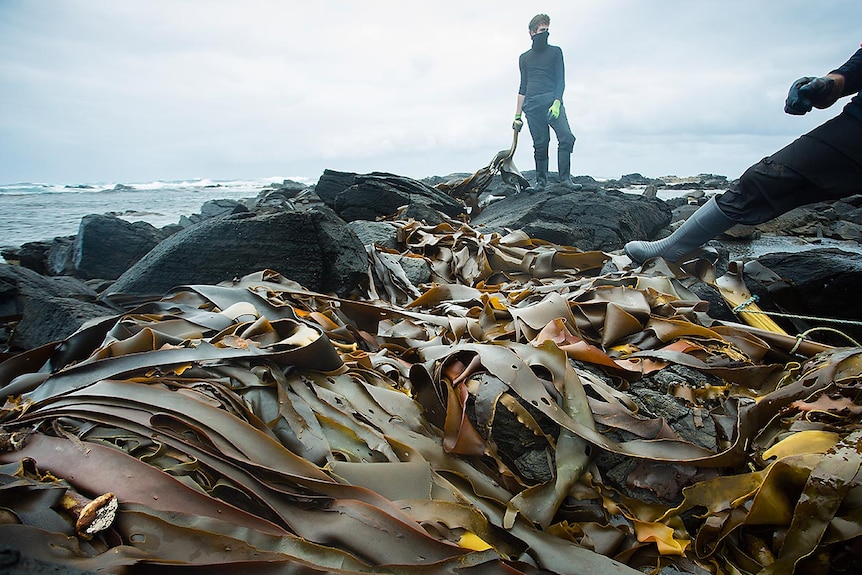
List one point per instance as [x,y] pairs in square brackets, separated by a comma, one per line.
[539,23]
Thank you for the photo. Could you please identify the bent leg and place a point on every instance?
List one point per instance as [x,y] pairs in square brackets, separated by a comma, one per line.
[824,164]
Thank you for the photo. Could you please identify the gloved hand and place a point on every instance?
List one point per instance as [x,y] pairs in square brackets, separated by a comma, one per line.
[554,111]
[518,123]
[807,92]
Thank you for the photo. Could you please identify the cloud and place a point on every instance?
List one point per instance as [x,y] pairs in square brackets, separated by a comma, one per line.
[158,89]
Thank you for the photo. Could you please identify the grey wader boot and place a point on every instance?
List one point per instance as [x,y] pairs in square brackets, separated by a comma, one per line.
[564,169]
[541,176]
[703,225]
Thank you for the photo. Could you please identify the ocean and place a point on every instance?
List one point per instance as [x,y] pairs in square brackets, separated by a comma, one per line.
[36,211]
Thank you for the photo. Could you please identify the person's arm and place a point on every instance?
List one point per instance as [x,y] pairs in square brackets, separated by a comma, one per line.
[522,87]
[810,92]
[519,105]
[559,75]
[849,75]
[522,91]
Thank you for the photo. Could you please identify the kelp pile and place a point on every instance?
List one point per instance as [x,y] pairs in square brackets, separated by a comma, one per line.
[457,427]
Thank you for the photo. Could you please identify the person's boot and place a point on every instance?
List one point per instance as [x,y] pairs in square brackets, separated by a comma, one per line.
[703,225]
[564,169]
[541,176]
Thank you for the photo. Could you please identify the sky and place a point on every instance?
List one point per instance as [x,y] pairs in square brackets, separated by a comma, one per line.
[143,90]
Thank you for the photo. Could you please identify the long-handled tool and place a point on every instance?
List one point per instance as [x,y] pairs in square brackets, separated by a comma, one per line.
[503,164]
[470,188]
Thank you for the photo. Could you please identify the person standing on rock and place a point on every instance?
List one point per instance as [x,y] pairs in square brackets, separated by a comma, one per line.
[824,164]
[540,99]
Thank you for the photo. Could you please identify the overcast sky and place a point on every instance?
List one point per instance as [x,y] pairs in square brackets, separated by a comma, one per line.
[139,90]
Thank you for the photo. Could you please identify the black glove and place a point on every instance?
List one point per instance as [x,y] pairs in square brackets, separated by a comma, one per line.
[807,92]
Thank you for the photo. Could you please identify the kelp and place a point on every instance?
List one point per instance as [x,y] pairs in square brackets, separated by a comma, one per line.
[254,426]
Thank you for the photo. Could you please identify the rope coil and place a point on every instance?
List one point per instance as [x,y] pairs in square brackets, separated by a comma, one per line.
[801,337]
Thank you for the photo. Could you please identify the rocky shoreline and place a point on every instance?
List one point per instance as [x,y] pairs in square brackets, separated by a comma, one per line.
[498,387]
[110,255]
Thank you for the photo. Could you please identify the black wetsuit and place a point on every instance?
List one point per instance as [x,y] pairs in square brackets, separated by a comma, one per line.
[543,80]
[852,72]
[824,164]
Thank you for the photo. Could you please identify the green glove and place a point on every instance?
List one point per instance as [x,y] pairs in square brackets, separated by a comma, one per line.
[518,123]
[554,111]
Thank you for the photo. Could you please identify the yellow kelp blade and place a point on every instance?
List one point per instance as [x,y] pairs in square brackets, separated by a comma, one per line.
[733,289]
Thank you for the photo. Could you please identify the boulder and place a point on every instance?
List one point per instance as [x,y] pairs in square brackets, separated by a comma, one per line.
[589,220]
[313,247]
[381,233]
[825,282]
[106,246]
[46,257]
[332,183]
[379,195]
[840,220]
[212,209]
[44,309]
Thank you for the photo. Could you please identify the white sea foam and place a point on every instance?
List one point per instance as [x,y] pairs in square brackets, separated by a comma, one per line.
[42,211]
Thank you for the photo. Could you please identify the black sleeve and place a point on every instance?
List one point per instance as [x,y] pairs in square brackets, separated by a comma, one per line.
[522,88]
[852,72]
[560,74]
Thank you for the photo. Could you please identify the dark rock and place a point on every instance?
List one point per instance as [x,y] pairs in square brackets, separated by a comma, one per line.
[220,207]
[377,195]
[839,220]
[314,248]
[635,180]
[287,187]
[422,213]
[381,233]
[106,246]
[332,183]
[32,255]
[826,282]
[60,257]
[658,482]
[600,220]
[46,308]
[213,209]
[417,270]
[842,230]
[280,196]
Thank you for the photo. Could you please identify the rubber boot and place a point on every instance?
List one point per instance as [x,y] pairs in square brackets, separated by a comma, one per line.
[703,225]
[541,176]
[564,169]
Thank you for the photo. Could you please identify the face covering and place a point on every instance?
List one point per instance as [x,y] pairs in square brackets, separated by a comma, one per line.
[540,40]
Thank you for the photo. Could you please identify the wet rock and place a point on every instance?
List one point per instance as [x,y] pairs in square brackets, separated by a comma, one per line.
[213,209]
[44,309]
[589,220]
[826,283]
[332,183]
[379,195]
[381,233]
[832,219]
[59,259]
[106,246]
[314,248]
[657,482]
[417,270]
